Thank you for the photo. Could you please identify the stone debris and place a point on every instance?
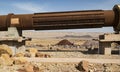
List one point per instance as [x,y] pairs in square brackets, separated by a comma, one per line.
[4,49]
[19,55]
[5,60]
[20,60]
[42,55]
[27,54]
[92,68]
[32,51]
[83,66]
[28,67]
[107,67]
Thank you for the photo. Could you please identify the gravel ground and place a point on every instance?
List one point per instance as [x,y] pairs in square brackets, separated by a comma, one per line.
[65,67]
[71,67]
[79,55]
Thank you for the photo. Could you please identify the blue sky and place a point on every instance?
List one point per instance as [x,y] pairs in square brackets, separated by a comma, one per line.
[35,6]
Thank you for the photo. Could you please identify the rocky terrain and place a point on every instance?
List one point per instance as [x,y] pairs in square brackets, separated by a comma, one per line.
[35,56]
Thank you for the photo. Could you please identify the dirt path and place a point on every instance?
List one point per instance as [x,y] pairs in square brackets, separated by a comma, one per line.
[71,60]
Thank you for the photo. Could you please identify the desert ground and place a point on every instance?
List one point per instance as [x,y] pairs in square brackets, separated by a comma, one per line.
[58,52]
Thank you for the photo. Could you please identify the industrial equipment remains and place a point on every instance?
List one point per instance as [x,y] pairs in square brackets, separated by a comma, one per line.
[63,20]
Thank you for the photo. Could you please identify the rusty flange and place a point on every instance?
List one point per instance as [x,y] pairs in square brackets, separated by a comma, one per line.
[116,9]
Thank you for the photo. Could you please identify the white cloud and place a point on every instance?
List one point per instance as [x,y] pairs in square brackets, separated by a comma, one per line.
[30,7]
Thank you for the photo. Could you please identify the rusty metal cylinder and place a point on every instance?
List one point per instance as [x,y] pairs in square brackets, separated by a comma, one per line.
[73,19]
[59,20]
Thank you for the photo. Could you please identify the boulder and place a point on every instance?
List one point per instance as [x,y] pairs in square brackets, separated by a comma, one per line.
[5,60]
[39,55]
[28,67]
[5,49]
[83,66]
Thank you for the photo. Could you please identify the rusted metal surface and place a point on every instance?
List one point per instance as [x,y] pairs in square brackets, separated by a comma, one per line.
[73,19]
[61,20]
[116,9]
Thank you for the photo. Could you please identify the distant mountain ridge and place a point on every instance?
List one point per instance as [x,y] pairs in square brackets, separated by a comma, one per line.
[83,36]
[39,34]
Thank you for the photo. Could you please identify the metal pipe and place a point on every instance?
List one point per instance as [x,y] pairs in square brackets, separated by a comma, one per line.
[73,19]
[61,20]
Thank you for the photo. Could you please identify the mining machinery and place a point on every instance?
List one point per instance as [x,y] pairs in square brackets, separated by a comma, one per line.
[15,23]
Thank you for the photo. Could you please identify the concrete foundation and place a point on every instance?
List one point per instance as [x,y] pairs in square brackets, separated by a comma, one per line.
[107,51]
[106,43]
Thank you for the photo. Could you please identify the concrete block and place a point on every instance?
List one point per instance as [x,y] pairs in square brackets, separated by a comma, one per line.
[107,51]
